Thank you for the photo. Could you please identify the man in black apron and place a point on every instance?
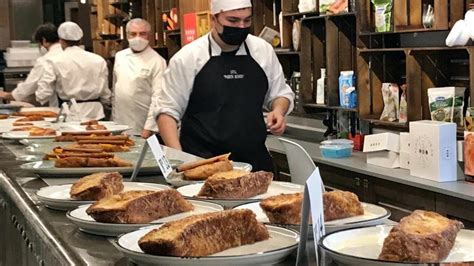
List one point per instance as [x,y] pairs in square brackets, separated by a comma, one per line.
[224,110]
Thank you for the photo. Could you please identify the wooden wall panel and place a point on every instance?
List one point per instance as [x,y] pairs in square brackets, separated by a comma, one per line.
[306,88]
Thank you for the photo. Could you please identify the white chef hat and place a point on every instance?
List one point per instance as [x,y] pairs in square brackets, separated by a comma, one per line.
[70,31]
[218,6]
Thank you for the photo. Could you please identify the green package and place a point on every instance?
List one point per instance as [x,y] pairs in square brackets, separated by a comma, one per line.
[383,15]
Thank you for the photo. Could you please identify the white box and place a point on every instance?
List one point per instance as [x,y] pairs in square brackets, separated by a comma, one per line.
[405,160]
[387,159]
[382,142]
[433,147]
[405,142]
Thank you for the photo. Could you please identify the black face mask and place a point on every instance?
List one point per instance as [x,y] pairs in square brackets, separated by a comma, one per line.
[234,35]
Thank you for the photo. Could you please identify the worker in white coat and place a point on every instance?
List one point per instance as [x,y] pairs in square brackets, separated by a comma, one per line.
[76,74]
[138,75]
[46,36]
[217,88]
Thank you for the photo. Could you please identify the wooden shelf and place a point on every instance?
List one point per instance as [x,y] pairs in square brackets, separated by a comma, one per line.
[381,50]
[298,14]
[325,16]
[286,52]
[372,33]
[323,106]
[387,123]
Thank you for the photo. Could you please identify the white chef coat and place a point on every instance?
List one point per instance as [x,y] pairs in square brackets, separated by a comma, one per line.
[179,78]
[76,74]
[137,81]
[25,91]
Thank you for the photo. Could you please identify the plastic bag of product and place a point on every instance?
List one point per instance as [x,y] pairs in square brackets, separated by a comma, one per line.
[333,6]
[307,6]
[383,15]
[403,118]
[390,94]
[447,104]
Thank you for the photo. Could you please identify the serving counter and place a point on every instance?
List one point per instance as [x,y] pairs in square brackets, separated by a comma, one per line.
[32,234]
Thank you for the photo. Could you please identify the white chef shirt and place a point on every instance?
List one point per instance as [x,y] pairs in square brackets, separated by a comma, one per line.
[137,80]
[26,90]
[76,73]
[179,78]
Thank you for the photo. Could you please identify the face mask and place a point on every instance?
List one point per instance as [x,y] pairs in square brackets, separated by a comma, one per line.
[234,35]
[138,44]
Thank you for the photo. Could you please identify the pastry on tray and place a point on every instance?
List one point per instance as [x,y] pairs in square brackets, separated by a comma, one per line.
[102,146]
[138,207]
[96,127]
[2,116]
[236,185]
[204,234]
[286,208]
[90,160]
[91,122]
[421,237]
[97,186]
[22,124]
[30,118]
[39,113]
[202,169]
[340,204]
[40,132]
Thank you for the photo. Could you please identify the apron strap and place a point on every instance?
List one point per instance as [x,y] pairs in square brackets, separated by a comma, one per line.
[247,50]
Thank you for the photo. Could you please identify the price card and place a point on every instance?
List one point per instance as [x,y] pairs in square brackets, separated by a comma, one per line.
[315,190]
[159,155]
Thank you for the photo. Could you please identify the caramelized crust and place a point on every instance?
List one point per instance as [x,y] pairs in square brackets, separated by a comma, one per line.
[204,171]
[341,204]
[136,207]
[191,165]
[283,209]
[97,186]
[204,234]
[38,113]
[423,236]
[236,185]
[74,162]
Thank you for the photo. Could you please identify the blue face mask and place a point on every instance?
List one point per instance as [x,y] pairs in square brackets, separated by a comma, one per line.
[234,35]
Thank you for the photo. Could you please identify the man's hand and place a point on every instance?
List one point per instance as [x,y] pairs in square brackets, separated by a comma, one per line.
[276,123]
[146,134]
[6,95]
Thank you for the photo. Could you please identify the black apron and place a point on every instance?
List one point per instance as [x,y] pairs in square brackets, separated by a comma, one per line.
[224,112]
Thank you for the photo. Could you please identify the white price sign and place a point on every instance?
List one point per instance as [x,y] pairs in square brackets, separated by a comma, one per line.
[159,155]
[316,189]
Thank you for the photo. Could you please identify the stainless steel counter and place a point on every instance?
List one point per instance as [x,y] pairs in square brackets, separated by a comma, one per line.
[31,234]
[357,163]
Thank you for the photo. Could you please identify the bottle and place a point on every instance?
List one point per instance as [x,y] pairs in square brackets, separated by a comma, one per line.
[321,86]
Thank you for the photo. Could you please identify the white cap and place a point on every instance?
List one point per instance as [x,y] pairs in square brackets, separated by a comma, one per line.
[70,31]
[218,6]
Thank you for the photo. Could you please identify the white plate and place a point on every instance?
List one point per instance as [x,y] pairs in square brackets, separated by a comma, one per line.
[57,197]
[282,242]
[87,224]
[18,135]
[362,246]
[176,179]
[115,129]
[275,188]
[373,215]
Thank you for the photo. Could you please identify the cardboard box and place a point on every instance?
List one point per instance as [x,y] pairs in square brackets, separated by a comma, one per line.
[387,159]
[382,142]
[405,160]
[433,146]
[405,142]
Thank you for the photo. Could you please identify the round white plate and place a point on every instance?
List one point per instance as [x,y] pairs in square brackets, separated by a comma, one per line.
[57,197]
[282,242]
[176,179]
[18,135]
[362,246]
[275,188]
[373,215]
[115,129]
[87,224]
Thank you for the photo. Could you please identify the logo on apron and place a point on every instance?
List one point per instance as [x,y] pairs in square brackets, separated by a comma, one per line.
[234,75]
